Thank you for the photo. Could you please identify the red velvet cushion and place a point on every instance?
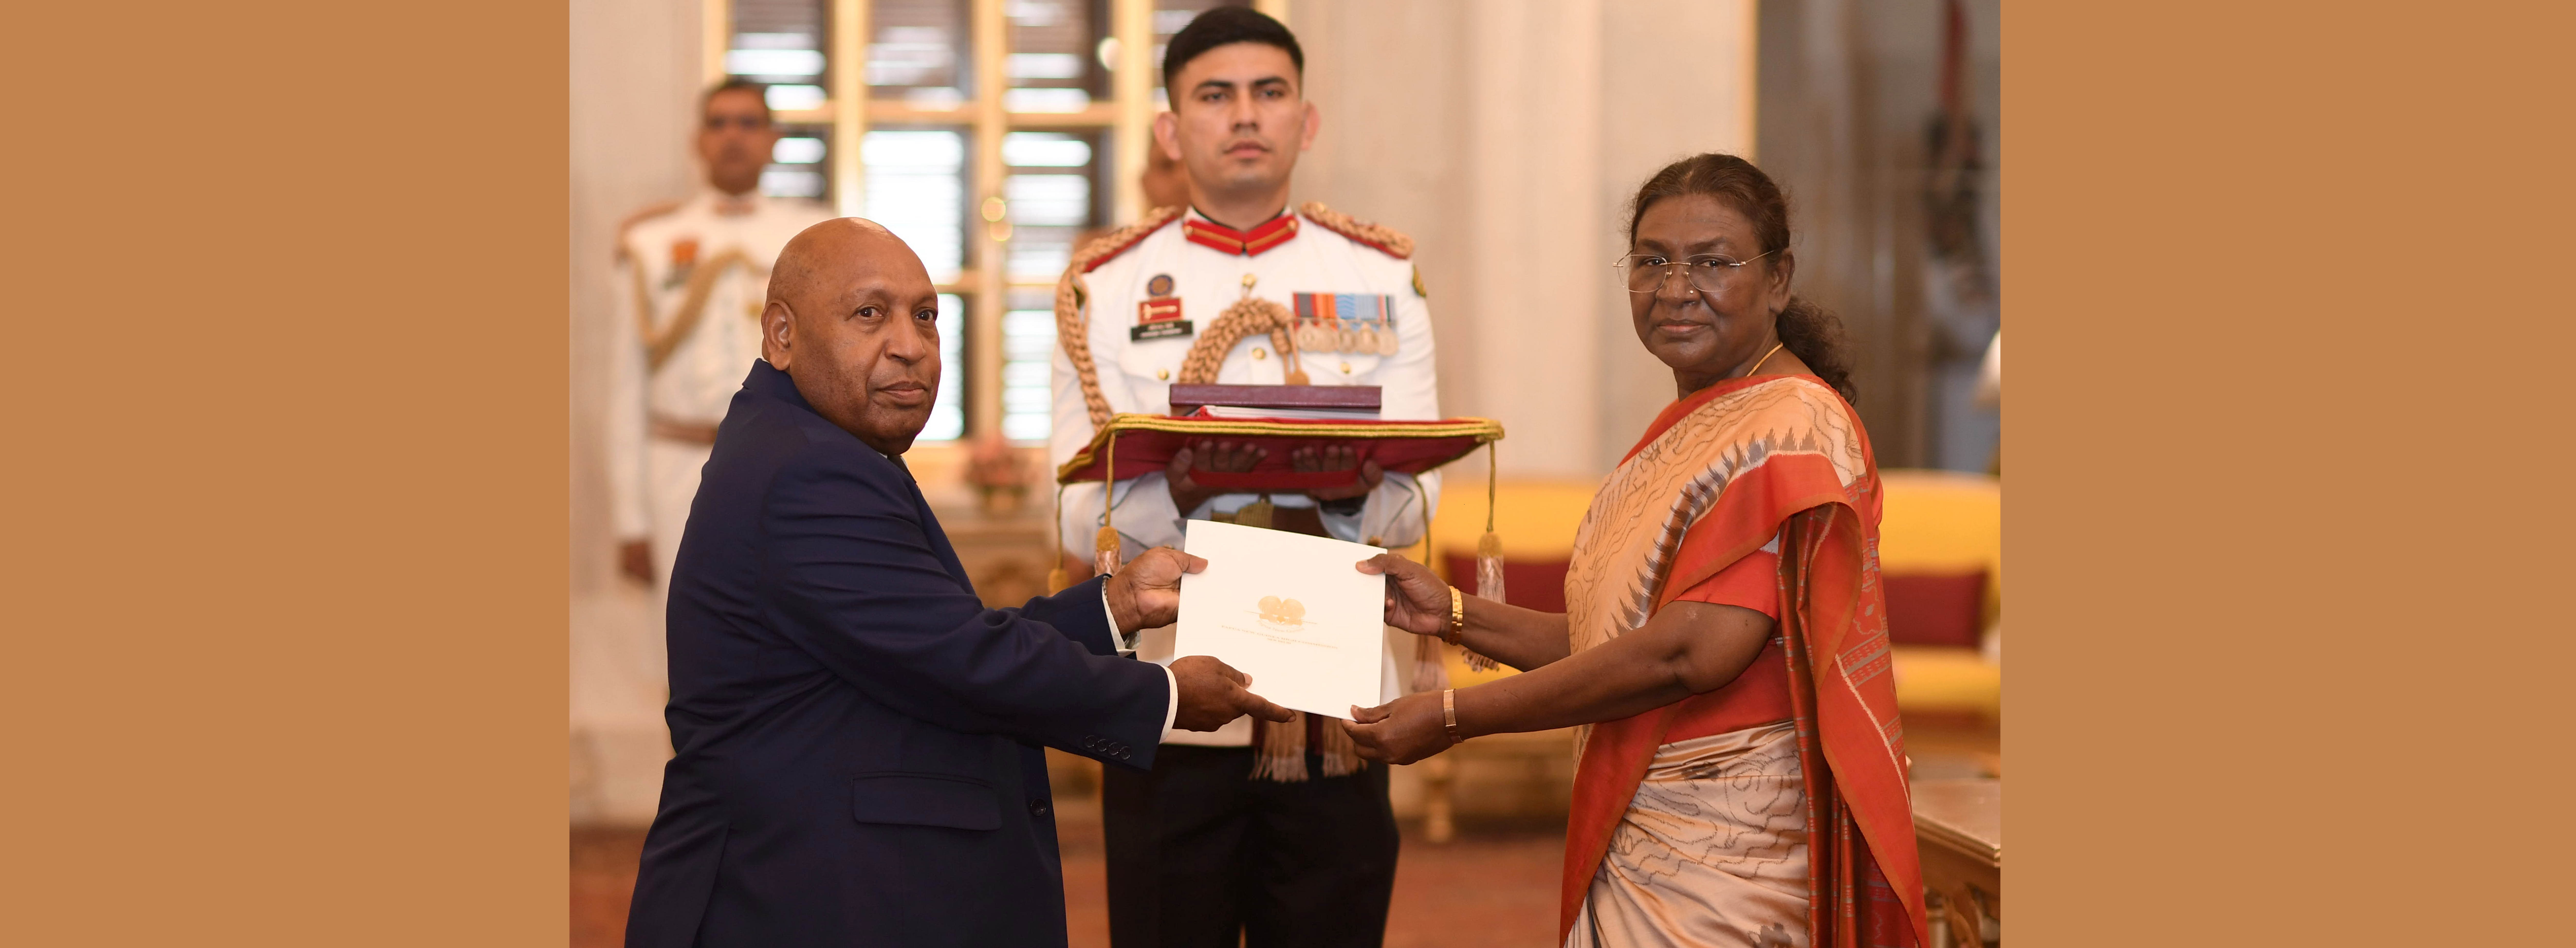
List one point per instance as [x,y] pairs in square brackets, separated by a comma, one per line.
[1934,608]
[1529,584]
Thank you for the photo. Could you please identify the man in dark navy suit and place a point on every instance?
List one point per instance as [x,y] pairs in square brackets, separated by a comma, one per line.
[858,738]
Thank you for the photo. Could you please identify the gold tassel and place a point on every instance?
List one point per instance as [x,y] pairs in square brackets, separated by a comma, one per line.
[1283,750]
[1104,557]
[1429,674]
[1489,566]
[1489,553]
[1057,579]
[1258,513]
[1430,668]
[1341,757]
[1104,545]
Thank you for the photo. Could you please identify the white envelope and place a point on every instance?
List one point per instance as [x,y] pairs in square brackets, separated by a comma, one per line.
[1289,610]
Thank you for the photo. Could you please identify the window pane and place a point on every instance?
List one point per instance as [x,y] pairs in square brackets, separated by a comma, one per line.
[948,411]
[780,42]
[917,189]
[1054,192]
[1055,56]
[797,150]
[921,53]
[1028,356]
[796,98]
[797,165]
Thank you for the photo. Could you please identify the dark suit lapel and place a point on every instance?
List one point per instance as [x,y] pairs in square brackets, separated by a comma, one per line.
[768,381]
[930,527]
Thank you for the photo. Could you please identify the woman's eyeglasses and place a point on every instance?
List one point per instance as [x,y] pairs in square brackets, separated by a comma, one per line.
[1707,273]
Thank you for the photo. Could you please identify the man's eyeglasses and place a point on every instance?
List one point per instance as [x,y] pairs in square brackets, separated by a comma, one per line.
[748,123]
[1708,273]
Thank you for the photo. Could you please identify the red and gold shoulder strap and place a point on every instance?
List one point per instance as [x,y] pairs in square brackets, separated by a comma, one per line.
[1072,320]
[1386,239]
[649,213]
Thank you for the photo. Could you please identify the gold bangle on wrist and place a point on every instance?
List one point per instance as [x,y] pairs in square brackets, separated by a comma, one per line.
[1457,617]
[1449,715]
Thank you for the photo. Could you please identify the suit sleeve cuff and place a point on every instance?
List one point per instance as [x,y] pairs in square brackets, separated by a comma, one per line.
[1118,638]
[1171,685]
[1173,708]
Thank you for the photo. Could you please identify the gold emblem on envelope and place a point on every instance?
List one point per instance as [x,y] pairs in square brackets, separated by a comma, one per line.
[1282,614]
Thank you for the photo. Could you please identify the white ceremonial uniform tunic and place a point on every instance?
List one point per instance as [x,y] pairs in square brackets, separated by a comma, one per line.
[652,477]
[1136,376]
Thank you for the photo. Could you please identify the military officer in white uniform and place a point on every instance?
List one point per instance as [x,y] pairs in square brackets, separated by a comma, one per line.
[690,280]
[1269,835]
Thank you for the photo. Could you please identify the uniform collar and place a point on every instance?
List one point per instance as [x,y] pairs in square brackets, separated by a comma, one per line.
[1248,243]
[727,205]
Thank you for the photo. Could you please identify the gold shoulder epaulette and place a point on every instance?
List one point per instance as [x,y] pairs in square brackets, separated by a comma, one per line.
[1108,246]
[1073,316]
[639,217]
[1380,236]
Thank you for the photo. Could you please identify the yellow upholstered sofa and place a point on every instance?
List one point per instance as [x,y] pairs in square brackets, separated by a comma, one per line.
[1947,522]
[1935,522]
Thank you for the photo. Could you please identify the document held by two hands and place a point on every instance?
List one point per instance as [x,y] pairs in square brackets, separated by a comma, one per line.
[1288,609]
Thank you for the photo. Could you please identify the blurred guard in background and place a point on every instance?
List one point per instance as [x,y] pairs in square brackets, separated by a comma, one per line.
[1276,834]
[691,276]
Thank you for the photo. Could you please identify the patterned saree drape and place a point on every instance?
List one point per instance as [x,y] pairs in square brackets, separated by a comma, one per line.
[1722,473]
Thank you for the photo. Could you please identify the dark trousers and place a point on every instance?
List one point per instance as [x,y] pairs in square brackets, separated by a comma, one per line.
[1203,856]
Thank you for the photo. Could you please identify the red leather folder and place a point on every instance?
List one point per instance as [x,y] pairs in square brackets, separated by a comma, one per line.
[1144,444]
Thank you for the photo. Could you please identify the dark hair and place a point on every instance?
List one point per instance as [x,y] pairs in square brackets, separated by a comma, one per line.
[1222,26]
[1809,331]
[758,90]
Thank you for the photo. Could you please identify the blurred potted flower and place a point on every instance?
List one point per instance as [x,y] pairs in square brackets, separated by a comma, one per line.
[1000,476]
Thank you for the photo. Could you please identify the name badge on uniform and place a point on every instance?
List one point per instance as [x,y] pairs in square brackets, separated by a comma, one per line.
[1356,323]
[1159,315]
[684,258]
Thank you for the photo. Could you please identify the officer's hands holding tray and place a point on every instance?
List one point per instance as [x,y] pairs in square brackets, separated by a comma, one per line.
[1231,457]
[1223,457]
[1339,457]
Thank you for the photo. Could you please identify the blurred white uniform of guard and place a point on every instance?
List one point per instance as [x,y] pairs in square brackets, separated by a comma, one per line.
[690,281]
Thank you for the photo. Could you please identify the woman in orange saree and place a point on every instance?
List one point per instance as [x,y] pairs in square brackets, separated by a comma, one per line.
[1740,773]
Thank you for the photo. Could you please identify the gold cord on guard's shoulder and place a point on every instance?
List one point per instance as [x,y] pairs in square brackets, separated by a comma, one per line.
[1072,309]
[1385,238]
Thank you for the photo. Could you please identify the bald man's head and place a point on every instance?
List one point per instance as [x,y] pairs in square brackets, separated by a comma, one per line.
[854,320]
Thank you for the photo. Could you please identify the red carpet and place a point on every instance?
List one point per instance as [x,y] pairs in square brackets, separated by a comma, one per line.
[1493,885]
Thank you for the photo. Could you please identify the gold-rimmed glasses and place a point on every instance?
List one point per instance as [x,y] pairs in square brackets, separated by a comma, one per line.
[1707,273]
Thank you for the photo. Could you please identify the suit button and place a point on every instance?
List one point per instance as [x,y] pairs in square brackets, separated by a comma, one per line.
[1123,753]
[1039,809]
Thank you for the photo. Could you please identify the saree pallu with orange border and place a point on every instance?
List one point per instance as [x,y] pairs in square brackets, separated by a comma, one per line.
[1721,474]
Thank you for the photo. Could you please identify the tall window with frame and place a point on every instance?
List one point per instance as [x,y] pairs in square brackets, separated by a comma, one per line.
[988,134]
